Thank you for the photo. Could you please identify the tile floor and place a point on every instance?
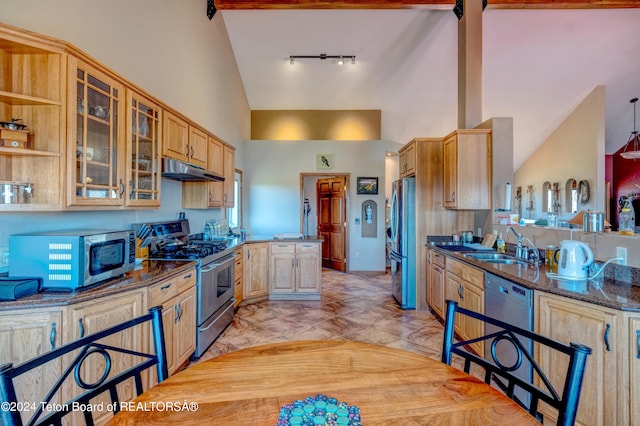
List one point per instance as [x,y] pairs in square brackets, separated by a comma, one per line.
[352,307]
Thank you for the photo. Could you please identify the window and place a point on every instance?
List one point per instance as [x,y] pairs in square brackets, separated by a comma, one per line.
[234,214]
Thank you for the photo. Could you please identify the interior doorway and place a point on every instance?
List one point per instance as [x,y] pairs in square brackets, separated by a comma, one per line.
[324,200]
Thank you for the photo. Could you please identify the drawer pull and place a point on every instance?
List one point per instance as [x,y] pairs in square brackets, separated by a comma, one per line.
[186,277]
[52,336]
[606,337]
[165,286]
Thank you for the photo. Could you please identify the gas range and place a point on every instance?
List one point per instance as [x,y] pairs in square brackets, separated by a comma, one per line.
[215,274]
[194,249]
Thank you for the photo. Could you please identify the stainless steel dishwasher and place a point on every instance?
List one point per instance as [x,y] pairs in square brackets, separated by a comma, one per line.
[513,304]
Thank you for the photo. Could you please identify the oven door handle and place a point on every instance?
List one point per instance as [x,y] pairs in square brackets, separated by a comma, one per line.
[227,260]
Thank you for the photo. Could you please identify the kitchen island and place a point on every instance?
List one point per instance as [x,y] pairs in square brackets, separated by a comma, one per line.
[603,314]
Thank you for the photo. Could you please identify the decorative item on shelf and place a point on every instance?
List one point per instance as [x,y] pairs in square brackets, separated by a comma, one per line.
[143,128]
[631,149]
[14,135]
[367,185]
[15,192]
[584,192]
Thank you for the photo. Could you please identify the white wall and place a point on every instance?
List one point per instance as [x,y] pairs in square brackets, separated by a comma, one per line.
[272,182]
[574,150]
[168,48]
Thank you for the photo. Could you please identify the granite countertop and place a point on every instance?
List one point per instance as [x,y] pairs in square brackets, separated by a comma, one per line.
[148,273]
[271,239]
[617,287]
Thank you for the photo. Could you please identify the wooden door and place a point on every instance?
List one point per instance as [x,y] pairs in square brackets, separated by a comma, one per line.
[332,222]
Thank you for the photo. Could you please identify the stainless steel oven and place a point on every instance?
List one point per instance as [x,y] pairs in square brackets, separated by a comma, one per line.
[215,300]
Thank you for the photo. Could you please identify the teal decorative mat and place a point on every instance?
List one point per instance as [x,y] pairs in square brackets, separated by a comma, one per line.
[319,410]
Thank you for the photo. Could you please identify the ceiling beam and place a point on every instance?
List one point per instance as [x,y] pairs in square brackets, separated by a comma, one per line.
[414,4]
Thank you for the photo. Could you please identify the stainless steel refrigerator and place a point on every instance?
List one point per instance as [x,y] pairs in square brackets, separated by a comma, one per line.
[402,219]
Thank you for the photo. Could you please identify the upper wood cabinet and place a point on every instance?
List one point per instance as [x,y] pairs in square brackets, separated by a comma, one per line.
[407,164]
[95,137]
[33,89]
[229,176]
[176,137]
[183,141]
[467,169]
[203,195]
[143,153]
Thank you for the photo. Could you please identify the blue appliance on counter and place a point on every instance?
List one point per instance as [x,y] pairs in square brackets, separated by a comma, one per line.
[403,242]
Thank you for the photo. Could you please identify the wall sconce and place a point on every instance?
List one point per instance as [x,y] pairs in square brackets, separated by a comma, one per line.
[324,56]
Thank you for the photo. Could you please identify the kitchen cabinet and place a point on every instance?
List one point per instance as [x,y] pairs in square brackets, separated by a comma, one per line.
[238,277]
[183,141]
[25,334]
[407,160]
[633,357]
[229,176]
[143,151]
[295,270]
[467,169]
[35,155]
[198,145]
[602,400]
[256,272]
[96,315]
[95,144]
[436,282]
[465,285]
[177,296]
[203,195]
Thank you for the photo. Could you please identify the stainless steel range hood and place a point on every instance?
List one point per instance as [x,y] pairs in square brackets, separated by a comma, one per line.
[178,170]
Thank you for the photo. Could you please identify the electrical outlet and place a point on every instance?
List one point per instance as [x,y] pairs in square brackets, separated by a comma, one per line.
[621,252]
[4,257]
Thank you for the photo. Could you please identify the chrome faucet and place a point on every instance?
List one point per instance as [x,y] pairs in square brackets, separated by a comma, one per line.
[519,248]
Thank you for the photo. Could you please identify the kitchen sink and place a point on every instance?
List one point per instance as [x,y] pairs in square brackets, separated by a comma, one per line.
[500,258]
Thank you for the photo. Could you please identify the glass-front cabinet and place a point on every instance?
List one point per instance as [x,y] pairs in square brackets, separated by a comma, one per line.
[97,179]
[143,152]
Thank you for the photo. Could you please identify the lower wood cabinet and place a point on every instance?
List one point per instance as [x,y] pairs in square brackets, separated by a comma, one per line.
[90,317]
[177,296]
[465,285]
[436,282]
[295,270]
[256,271]
[602,399]
[25,334]
[238,277]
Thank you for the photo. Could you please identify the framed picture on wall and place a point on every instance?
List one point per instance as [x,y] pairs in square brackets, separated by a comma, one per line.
[367,185]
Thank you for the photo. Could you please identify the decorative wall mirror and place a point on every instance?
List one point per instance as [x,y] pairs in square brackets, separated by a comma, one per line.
[571,196]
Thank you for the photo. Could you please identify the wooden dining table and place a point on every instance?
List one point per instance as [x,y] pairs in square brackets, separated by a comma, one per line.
[387,385]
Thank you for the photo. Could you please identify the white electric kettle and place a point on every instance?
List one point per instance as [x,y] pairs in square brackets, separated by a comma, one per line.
[574,259]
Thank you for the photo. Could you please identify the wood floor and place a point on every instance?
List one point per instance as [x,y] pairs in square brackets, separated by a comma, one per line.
[353,307]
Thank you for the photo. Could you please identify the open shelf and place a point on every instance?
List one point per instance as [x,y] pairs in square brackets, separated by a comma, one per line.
[17,99]
[31,152]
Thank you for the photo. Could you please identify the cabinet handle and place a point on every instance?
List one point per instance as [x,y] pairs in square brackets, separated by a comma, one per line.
[292,264]
[638,344]
[165,286]
[121,188]
[460,292]
[453,196]
[192,153]
[187,276]
[176,315]
[181,311]
[81,326]
[210,196]
[606,337]
[297,264]
[186,154]
[248,254]
[52,336]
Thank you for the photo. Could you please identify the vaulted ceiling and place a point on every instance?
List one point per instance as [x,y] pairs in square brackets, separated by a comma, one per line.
[540,60]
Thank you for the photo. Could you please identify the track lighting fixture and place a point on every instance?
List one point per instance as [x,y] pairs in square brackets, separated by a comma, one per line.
[324,56]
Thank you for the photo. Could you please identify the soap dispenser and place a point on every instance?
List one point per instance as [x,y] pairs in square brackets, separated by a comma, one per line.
[501,244]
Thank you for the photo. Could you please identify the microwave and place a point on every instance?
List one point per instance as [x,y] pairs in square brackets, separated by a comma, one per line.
[71,260]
